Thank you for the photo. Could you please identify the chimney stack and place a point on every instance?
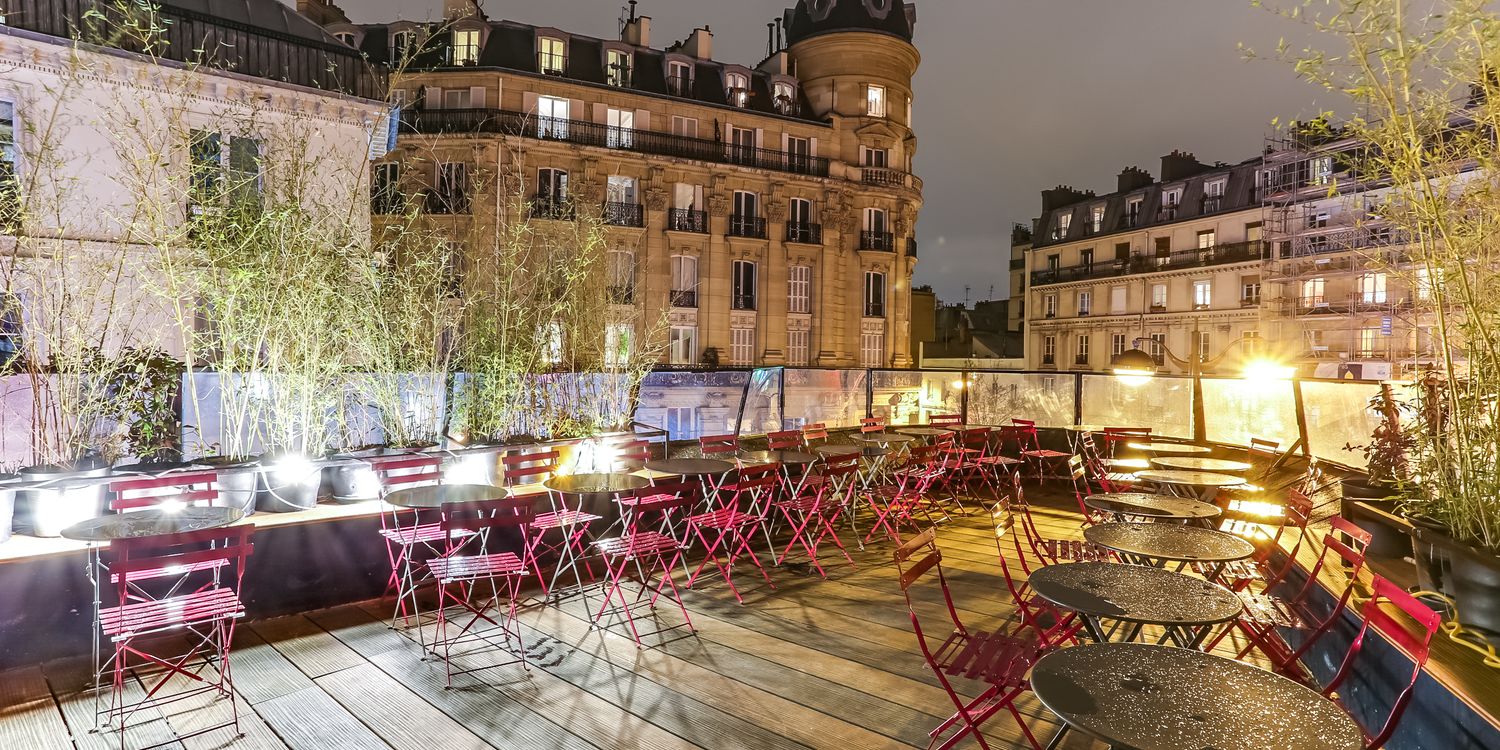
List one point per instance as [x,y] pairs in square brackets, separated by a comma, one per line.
[1063,195]
[454,10]
[700,44]
[1180,165]
[637,30]
[1133,178]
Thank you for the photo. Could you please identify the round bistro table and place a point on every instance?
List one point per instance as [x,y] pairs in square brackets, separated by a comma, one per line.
[1206,483]
[1157,544]
[1133,596]
[139,524]
[436,496]
[1162,698]
[1195,463]
[1160,448]
[1158,507]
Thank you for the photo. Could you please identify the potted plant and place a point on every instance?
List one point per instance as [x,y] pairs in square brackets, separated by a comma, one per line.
[1386,477]
[7,504]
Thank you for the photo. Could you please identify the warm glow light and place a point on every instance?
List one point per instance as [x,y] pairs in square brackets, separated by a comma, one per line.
[594,456]
[171,506]
[1264,369]
[473,468]
[1133,378]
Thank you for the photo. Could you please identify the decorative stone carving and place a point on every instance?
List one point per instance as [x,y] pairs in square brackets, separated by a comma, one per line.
[776,211]
[589,191]
[656,199]
[718,204]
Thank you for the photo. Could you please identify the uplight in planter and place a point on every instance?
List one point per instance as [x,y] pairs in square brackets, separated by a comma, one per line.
[469,468]
[290,483]
[593,456]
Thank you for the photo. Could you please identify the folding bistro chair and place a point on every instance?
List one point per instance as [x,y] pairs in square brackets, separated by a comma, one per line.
[475,566]
[1032,450]
[730,528]
[785,440]
[897,504]
[406,541]
[1412,641]
[1267,614]
[945,420]
[1079,475]
[726,447]
[1262,565]
[630,454]
[815,431]
[673,525]
[179,489]
[650,546]
[1108,472]
[569,549]
[810,514]
[1115,439]
[993,663]
[1055,624]
[1051,550]
[184,583]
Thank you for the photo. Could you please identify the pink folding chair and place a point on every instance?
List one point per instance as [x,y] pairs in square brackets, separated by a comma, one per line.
[815,431]
[1055,624]
[785,440]
[630,454]
[1412,641]
[726,447]
[406,535]
[994,663]
[179,489]
[897,504]
[651,549]
[202,604]
[1051,550]
[811,513]
[732,525]
[568,549]
[1032,450]
[473,567]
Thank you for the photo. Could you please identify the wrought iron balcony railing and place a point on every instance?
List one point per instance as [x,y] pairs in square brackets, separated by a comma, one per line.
[743,302]
[621,214]
[484,120]
[551,64]
[1234,252]
[804,232]
[687,220]
[684,298]
[549,207]
[680,85]
[872,240]
[747,226]
[621,294]
[447,202]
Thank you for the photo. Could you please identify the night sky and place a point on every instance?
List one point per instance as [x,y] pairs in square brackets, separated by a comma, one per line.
[1013,97]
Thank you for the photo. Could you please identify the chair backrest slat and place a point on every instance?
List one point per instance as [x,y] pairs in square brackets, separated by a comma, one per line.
[905,551]
[522,468]
[711,445]
[145,555]
[191,486]
[477,515]
[784,440]
[814,431]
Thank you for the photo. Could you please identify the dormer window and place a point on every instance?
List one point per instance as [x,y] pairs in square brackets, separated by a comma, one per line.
[347,37]
[737,89]
[1096,218]
[401,45]
[784,98]
[1213,195]
[465,47]
[551,55]
[1060,229]
[679,78]
[617,66]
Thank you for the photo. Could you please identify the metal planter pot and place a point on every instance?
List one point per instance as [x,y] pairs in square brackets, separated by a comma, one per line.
[237,482]
[7,505]
[355,481]
[288,483]
[66,496]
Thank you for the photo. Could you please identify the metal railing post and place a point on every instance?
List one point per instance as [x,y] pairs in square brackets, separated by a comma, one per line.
[869,392]
[963,396]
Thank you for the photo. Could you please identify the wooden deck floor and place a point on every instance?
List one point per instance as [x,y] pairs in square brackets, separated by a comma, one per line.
[812,664]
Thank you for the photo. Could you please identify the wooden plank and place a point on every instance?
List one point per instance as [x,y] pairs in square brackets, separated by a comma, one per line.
[307,646]
[28,716]
[260,673]
[403,719]
[309,719]
[197,713]
[71,684]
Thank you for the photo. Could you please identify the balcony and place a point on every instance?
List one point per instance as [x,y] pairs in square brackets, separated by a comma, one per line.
[383,202]
[743,302]
[446,202]
[873,240]
[506,122]
[680,86]
[620,78]
[463,56]
[681,298]
[874,309]
[753,227]
[550,207]
[883,177]
[551,64]
[1235,252]
[1167,213]
[911,246]
[1211,203]
[804,232]
[1081,360]
[620,214]
[687,220]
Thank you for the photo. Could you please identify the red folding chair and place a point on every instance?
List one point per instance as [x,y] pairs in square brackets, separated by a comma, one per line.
[630,454]
[1116,437]
[475,566]
[1032,450]
[569,548]
[945,420]
[1262,565]
[811,512]
[898,503]
[1112,475]
[816,431]
[785,440]
[1051,550]
[406,535]
[671,524]
[1055,624]
[730,528]
[197,577]
[650,546]
[1078,473]
[726,447]
[1379,616]
[1266,614]
[176,490]
[996,663]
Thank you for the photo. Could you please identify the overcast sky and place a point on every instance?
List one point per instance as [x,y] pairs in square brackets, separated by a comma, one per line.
[1014,96]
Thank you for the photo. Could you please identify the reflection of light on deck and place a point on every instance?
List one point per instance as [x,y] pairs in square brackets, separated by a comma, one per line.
[1257,509]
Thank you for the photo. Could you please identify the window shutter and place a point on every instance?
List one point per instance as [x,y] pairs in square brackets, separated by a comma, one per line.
[476,97]
[760,138]
[784,138]
[434,98]
[528,102]
[643,119]
[812,146]
[575,109]
[601,113]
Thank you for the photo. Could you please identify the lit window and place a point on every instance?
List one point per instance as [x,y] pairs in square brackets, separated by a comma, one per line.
[1207,239]
[1049,305]
[1372,288]
[552,117]
[1312,293]
[875,101]
[1322,170]
[617,68]
[1250,290]
[1116,344]
[1060,227]
[784,98]
[466,47]
[1204,343]
[1158,297]
[619,128]
[1096,218]
[1203,294]
[737,89]
[682,345]
[743,283]
[1424,284]
[551,56]
[1085,303]
[874,294]
[1133,212]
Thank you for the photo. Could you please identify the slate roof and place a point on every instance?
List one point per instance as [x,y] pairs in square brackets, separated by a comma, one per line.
[813,17]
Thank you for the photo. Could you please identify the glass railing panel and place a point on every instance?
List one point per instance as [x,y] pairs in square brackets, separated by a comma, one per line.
[1237,410]
[1339,414]
[914,396]
[833,397]
[689,405]
[1160,403]
[997,397]
[761,410]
